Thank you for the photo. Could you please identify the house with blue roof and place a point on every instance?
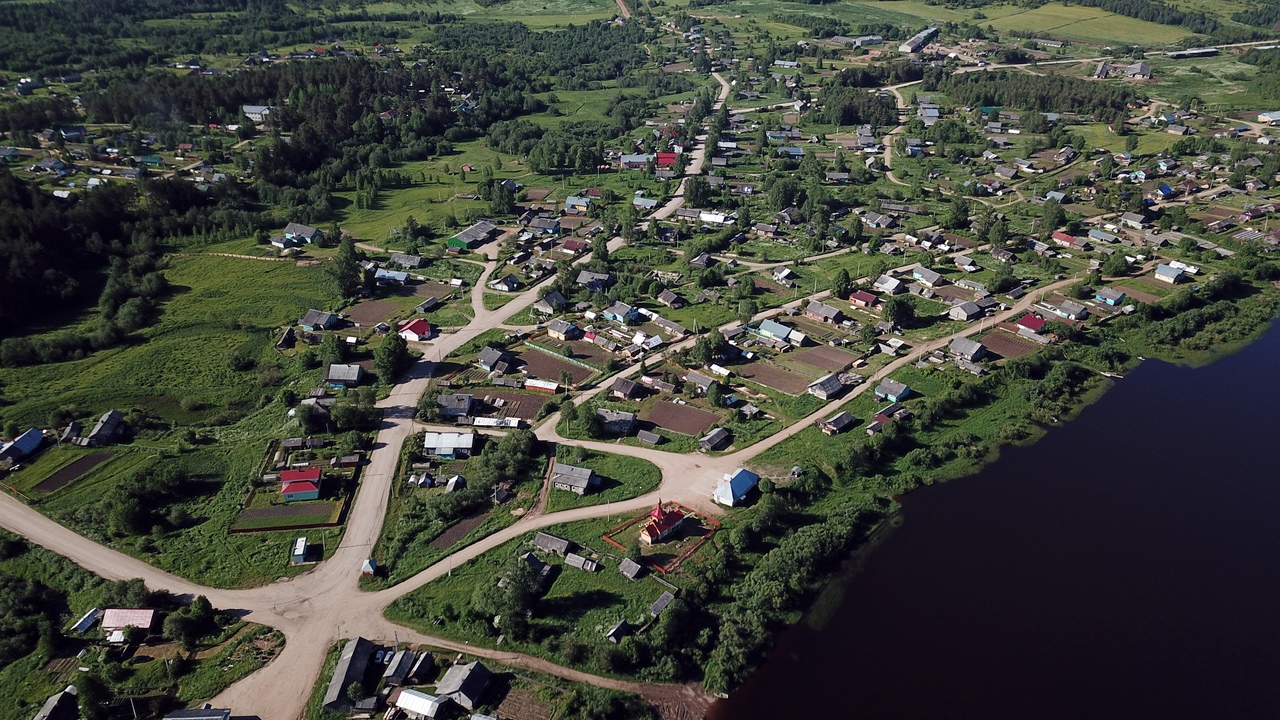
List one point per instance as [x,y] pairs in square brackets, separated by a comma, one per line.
[384,277]
[1161,193]
[774,329]
[22,446]
[733,487]
[792,152]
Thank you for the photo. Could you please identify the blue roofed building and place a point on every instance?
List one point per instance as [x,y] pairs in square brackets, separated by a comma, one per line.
[733,487]
[22,446]
[774,329]
[392,277]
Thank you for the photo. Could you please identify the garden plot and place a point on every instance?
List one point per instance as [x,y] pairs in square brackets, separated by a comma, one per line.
[681,418]
[545,366]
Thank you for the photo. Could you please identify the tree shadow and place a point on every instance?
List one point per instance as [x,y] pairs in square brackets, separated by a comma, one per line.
[574,606]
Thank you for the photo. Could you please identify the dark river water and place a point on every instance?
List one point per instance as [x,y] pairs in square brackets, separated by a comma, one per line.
[1125,566]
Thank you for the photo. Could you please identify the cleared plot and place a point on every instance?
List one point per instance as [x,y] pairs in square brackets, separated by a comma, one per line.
[1138,295]
[72,472]
[681,418]
[457,531]
[1007,345]
[432,289]
[774,377]
[770,287]
[587,352]
[546,366]
[518,405]
[284,516]
[826,357]
[371,312]
[537,194]
[524,705]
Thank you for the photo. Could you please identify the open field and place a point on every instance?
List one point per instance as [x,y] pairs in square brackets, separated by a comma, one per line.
[774,377]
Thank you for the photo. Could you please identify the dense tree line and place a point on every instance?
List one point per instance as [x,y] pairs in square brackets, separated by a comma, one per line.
[62,36]
[844,105]
[1047,93]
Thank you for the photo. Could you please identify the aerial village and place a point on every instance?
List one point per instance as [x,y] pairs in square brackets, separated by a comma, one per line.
[792,259]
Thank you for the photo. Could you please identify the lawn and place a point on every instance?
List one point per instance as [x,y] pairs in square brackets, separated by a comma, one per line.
[621,478]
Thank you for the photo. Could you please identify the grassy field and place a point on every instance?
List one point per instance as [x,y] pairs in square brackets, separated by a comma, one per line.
[220,306]
[179,373]
[1082,24]
[576,610]
[621,478]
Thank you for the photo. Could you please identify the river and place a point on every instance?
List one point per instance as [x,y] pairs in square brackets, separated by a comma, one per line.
[1125,566]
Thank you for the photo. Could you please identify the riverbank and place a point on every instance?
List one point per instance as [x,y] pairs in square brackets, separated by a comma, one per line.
[1109,571]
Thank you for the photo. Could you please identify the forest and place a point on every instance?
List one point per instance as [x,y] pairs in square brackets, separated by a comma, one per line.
[51,38]
[1048,93]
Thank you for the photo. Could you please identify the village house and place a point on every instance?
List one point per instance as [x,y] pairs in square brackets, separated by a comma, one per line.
[351,667]
[577,480]
[563,330]
[965,311]
[862,299]
[825,387]
[553,543]
[822,312]
[449,445]
[464,684]
[889,285]
[492,359]
[621,312]
[1072,310]
[892,390]
[300,484]
[966,349]
[1110,296]
[344,375]
[671,299]
[454,405]
[616,422]
[303,233]
[714,440]
[837,423]
[417,330]
[1168,274]
[626,389]
[316,320]
[702,382]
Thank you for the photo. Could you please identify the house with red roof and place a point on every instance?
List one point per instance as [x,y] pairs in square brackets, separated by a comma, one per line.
[311,475]
[1031,322]
[662,524]
[300,490]
[862,298]
[665,159]
[416,330]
